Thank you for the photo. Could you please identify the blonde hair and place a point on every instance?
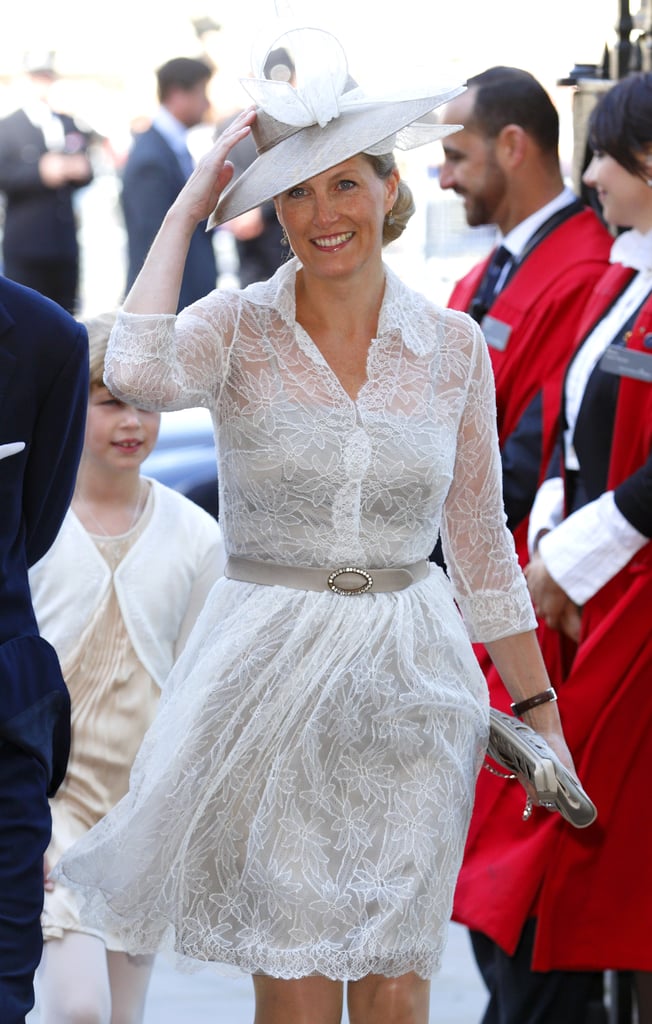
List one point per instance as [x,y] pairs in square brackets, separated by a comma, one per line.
[396,220]
[99,329]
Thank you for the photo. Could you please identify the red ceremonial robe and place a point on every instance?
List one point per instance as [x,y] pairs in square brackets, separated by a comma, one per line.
[590,889]
[542,304]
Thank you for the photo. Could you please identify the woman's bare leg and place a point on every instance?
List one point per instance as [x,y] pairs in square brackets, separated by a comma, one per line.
[379,1000]
[298,1000]
[129,978]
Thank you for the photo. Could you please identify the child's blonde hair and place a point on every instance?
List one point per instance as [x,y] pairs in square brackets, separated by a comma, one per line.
[99,329]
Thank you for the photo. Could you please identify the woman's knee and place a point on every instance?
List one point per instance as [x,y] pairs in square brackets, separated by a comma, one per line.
[380,1000]
[313,1000]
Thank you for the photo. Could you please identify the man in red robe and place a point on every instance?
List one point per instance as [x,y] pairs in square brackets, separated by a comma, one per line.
[528,296]
[505,166]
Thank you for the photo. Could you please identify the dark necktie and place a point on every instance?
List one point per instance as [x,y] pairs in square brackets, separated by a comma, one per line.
[186,161]
[488,289]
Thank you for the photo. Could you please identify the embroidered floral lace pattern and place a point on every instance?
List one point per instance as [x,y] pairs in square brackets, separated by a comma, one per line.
[301,803]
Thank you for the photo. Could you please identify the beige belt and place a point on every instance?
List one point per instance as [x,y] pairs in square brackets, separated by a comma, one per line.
[348,581]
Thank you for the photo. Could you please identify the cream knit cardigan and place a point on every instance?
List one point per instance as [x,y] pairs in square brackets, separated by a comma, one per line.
[161,584]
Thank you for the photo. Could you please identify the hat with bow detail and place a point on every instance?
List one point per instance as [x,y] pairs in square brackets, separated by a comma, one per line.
[323,119]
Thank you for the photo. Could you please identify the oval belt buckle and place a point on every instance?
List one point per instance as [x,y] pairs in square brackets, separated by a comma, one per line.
[354,591]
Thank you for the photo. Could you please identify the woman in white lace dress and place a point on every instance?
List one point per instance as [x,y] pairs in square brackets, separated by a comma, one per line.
[299,808]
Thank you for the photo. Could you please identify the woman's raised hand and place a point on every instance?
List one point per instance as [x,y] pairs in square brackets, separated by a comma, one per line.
[214,171]
[158,285]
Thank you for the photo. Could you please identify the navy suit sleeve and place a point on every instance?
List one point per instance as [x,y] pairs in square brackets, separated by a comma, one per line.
[634,498]
[56,449]
[521,463]
[556,465]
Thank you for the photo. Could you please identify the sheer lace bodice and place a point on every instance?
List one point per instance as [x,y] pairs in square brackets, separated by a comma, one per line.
[310,477]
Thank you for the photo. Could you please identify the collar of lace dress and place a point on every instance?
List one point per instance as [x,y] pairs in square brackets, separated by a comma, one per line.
[404,312]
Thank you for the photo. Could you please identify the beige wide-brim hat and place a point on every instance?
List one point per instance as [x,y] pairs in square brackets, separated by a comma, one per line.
[326,118]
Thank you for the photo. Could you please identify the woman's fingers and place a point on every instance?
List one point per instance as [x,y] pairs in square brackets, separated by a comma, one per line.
[236,131]
[213,171]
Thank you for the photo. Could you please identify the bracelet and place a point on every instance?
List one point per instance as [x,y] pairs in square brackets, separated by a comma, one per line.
[533,702]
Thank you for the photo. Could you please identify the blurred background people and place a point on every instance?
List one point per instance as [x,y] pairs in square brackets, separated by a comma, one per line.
[259,238]
[43,394]
[44,159]
[157,166]
[116,596]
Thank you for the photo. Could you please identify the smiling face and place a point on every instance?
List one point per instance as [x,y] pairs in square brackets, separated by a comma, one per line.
[118,437]
[334,221]
[620,138]
[626,198]
[470,167]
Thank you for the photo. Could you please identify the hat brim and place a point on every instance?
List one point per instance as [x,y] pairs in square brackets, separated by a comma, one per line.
[312,150]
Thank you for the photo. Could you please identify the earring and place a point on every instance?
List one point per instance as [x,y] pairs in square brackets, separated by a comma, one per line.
[285,241]
[389,218]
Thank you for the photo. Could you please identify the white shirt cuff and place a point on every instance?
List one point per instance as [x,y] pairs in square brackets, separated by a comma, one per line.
[547,510]
[590,547]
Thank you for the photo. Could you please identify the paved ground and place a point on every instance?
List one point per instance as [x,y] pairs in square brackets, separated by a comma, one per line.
[458,995]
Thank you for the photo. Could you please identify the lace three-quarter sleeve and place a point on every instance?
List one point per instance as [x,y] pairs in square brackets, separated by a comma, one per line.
[479,549]
[168,362]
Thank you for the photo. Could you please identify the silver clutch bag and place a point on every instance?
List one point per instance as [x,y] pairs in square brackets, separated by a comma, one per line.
[525,755]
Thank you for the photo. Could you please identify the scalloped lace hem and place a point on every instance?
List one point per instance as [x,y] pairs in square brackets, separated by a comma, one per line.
[317,960]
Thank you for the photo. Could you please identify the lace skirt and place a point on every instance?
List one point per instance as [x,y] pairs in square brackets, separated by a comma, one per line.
[301,802]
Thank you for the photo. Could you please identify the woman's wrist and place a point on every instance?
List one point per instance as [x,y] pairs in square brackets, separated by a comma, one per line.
[180,220]
[544,719]
[529,703]
[543,716]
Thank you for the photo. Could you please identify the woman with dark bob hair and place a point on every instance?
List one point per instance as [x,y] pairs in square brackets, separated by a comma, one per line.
[588,903]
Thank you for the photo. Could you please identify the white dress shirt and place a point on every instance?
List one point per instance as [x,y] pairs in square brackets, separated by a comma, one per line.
[42,116]
[176,135]
[583,552]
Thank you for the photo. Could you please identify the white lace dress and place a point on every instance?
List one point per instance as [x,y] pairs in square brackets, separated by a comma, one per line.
[301,802]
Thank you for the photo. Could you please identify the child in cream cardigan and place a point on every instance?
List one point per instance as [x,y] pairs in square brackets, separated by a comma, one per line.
[116,595]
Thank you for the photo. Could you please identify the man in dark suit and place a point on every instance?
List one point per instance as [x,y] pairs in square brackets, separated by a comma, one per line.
[43,161]
[43,395]
[157,167]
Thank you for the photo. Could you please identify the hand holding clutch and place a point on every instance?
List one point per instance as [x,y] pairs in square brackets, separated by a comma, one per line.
[526,755]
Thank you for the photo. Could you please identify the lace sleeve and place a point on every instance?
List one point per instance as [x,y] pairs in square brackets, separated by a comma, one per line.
[172,362]
[479,549]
